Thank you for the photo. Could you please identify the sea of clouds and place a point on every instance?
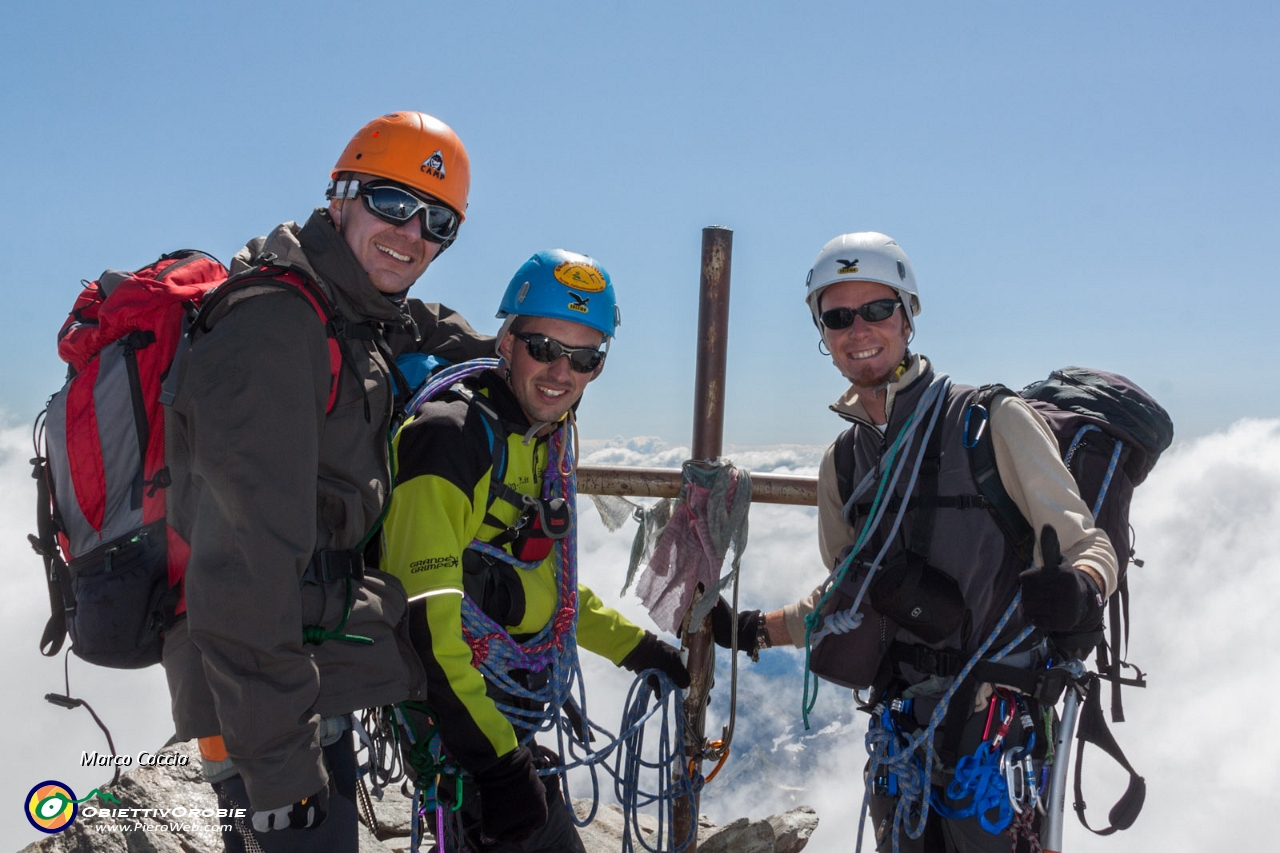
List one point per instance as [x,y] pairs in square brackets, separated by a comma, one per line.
[1204,629]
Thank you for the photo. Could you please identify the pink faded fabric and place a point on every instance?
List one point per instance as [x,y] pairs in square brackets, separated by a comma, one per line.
[691,548]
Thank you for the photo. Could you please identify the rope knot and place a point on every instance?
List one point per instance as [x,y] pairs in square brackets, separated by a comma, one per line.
[480,648]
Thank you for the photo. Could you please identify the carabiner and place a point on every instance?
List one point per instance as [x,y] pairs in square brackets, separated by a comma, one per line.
[971,441]
[1014,777]
[1009,709]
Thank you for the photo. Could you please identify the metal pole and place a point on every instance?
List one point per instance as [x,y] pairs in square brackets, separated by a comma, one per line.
[1056,797]
[665,483]
[713,343]
[708,435]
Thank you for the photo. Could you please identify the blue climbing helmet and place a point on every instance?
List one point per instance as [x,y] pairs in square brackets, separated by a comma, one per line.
[564,286]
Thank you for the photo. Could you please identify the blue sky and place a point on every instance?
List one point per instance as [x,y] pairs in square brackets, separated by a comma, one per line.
[1075,183]
[1087,182]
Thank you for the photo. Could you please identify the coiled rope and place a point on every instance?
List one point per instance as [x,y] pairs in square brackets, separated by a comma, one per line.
[892,465]
[541,707]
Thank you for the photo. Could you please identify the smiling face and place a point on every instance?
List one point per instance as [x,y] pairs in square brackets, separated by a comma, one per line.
[394,256]
[866,353]
[547,391]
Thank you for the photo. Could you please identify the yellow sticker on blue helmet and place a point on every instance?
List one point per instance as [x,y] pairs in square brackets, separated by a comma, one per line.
[579,276]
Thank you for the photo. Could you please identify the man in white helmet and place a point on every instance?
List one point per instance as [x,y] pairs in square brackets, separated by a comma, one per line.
[923,573]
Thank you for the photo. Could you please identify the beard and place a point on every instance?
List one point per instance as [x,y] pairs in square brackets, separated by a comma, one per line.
[870,379]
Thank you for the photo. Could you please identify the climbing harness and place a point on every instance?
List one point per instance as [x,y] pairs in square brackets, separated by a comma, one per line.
[998,784]
[911,762]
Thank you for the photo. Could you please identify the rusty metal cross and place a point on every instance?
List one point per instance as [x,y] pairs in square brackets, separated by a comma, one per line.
[708,434]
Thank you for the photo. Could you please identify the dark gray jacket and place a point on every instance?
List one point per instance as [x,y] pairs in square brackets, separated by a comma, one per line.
[264,477]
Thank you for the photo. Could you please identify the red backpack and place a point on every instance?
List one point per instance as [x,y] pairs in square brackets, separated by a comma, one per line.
[113,564]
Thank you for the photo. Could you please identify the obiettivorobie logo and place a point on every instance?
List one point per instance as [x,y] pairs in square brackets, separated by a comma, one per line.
[52,806]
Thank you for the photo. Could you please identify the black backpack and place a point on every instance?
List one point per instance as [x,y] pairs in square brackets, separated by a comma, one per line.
[1110,433]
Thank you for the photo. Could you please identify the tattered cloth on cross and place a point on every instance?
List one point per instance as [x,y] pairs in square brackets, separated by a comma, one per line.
[685,540]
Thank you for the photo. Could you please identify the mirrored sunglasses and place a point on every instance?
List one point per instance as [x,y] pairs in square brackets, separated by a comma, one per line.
[546,350]
[876,311]
[394,204]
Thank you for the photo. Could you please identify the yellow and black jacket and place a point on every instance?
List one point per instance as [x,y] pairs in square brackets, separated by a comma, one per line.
[442,500]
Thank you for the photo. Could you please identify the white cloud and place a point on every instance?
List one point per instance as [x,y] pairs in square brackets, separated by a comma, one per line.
[1208,527]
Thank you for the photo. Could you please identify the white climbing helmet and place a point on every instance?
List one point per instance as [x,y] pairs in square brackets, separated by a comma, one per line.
[864,256]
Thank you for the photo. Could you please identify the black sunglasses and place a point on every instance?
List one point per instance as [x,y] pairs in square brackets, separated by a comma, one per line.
[873,312]
[394,204]
[546,350]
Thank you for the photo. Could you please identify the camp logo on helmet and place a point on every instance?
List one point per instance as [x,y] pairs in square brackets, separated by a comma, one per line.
[579,276]
[579,303]
[434,165]
[847,266]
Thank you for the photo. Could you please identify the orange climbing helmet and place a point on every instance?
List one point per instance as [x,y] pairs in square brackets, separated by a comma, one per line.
[413,149]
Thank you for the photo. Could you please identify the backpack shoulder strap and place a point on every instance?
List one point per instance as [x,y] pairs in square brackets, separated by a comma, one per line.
[291,280]
[1093,729]
[496,433]
[982,464]
[844,462]
[44,541]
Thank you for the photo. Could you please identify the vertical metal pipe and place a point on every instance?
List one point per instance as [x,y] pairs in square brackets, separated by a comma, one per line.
[708,436]
[1055,800]
[713,343]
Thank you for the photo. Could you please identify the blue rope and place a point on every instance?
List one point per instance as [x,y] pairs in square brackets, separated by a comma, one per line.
[913,777]
[554,650]
[978,779]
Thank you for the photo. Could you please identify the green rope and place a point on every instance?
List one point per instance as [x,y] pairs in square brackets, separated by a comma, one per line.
[1049,739]
[813,621]
[418,754]
[317,634]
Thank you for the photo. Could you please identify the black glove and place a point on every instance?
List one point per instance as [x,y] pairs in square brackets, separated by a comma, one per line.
[513,802]
[749,622]
[307,813]
[652,653]
[1057,596]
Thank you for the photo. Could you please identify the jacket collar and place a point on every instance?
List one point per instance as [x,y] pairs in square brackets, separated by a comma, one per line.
[851,408]
[317,249]
[503,401]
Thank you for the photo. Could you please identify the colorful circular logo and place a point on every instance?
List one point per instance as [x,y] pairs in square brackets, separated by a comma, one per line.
[579,276]
[51,807]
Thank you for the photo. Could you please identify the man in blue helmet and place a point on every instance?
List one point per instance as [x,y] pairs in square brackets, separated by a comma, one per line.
[480,531]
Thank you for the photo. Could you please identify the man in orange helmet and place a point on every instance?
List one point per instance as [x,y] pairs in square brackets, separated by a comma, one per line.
[278,438]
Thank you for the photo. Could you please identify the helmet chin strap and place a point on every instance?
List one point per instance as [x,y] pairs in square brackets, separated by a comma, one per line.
[902,368]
